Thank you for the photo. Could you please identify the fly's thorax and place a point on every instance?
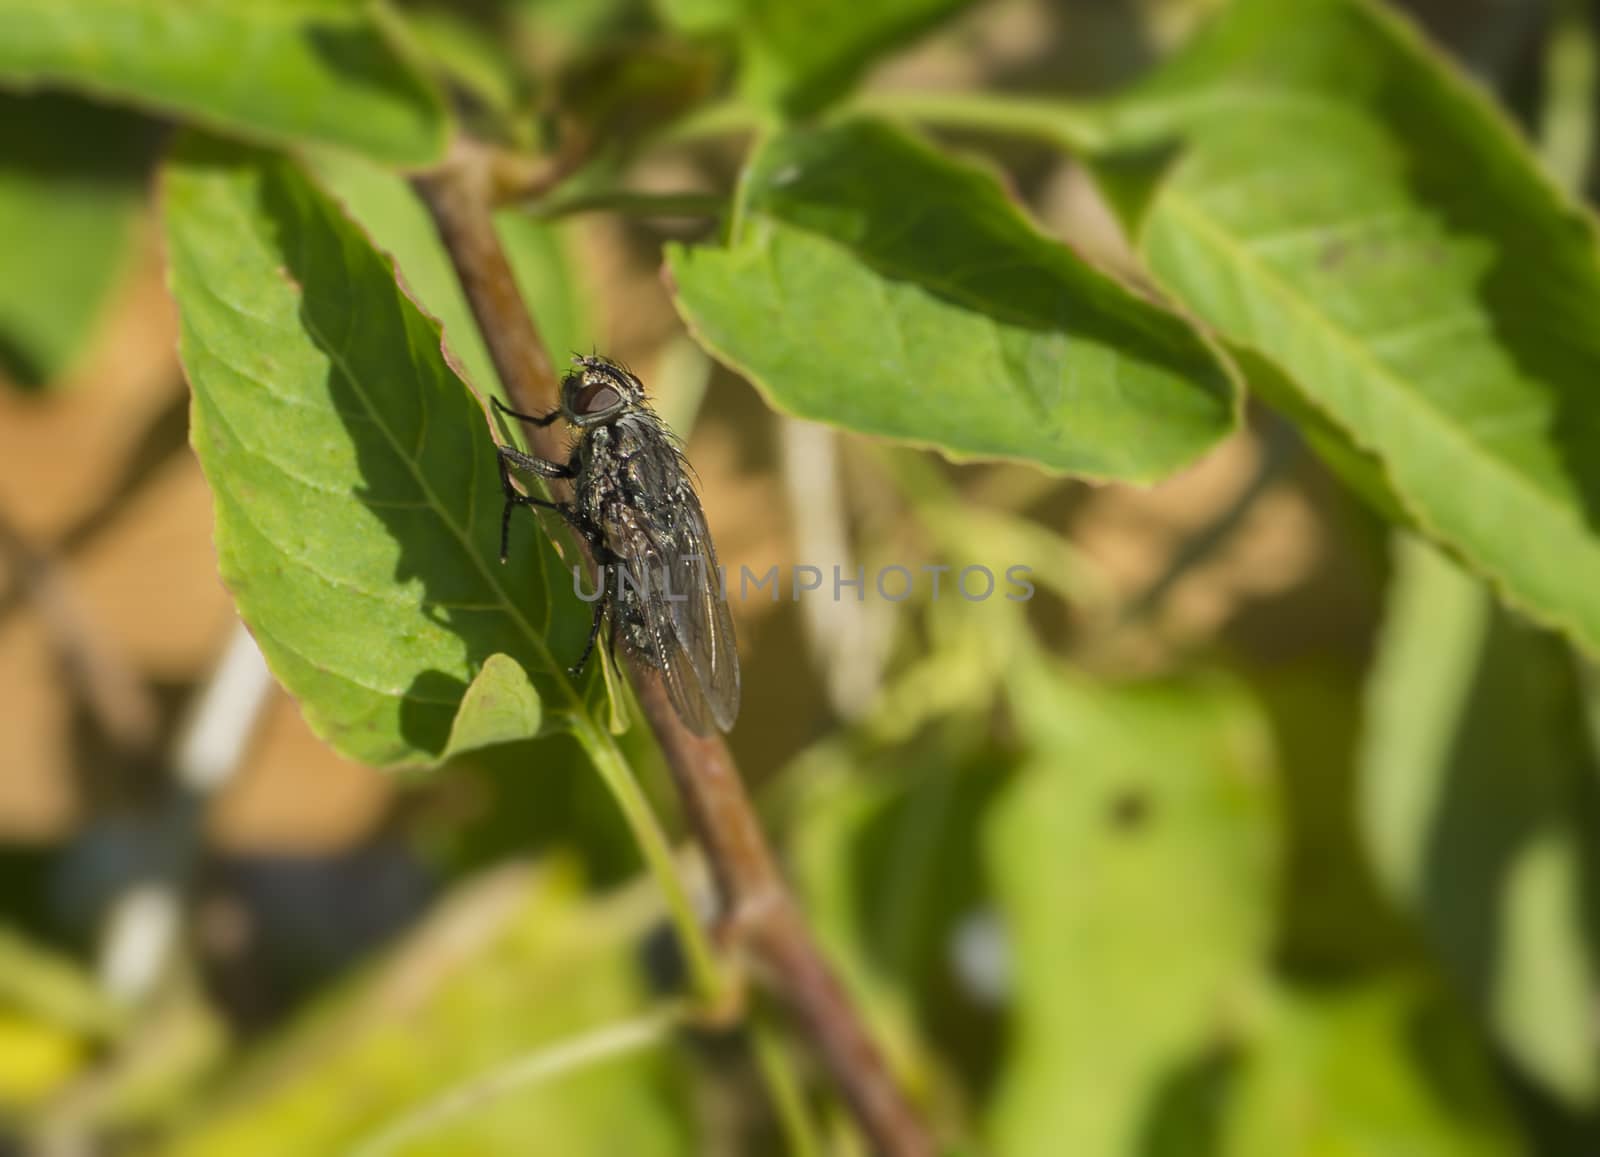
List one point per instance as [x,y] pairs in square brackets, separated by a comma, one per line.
[640,430]
[596,459]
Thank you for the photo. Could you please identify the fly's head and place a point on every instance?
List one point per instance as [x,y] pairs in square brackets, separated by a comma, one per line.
[597,390]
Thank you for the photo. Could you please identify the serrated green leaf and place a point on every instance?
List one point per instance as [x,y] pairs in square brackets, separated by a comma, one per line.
[500,705]
[874,284]
[276,70]
[1477,803]
[1348,205]
[385,205]
[357,500]
[1361,471]
[1134,863]
[1351,208]
[67,215]
[394,217]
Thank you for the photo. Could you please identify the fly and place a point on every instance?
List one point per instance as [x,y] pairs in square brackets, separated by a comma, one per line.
[634,504]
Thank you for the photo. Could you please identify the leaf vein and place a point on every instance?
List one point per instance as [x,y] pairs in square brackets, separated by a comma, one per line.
[535,640]
[1420,404]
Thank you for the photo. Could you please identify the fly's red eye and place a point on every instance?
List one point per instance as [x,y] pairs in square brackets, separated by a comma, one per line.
[597,397]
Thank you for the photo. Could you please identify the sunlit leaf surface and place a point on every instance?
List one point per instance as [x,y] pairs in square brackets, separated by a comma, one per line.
[316,70]
[357,500]
[876,285]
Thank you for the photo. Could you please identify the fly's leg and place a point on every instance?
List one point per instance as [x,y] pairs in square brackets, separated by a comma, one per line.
[540,420]
[594,632]
[604,559]
[506,457]
[543,467]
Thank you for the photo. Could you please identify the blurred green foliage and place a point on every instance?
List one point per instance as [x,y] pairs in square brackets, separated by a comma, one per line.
[68,215]
[1289,888]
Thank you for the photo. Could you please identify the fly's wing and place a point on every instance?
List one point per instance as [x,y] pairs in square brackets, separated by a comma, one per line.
[700,621]
[686,619]
[655,558]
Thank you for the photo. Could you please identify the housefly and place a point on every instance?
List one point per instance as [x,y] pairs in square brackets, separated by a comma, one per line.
[634,503]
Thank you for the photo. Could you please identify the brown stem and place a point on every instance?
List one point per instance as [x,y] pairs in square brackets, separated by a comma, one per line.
[759,913]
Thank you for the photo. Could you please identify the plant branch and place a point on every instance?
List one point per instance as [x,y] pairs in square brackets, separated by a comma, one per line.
[758,913]
[633,202]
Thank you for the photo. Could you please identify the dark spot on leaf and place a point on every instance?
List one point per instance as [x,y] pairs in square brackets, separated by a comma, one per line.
[1129,810]
[663,961]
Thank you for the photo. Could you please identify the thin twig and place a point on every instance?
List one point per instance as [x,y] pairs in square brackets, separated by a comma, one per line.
[632,202]
[758,912]
[783,1087]
[120,702]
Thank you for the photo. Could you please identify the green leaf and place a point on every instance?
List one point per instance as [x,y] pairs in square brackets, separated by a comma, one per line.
[799,54]
[1134,861]
[500,705]
[385,205]
[1384,1069]
[621,92]
[874,284]
[1354,210]
[277,70]
[1361,471]
[547,266]
[357,499]
[356,490]
[1478,804]
[67,214]
[889,867]
[391,213]
[1337,921]
[698,16]
[475,48]
[508,967]
[37,982]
